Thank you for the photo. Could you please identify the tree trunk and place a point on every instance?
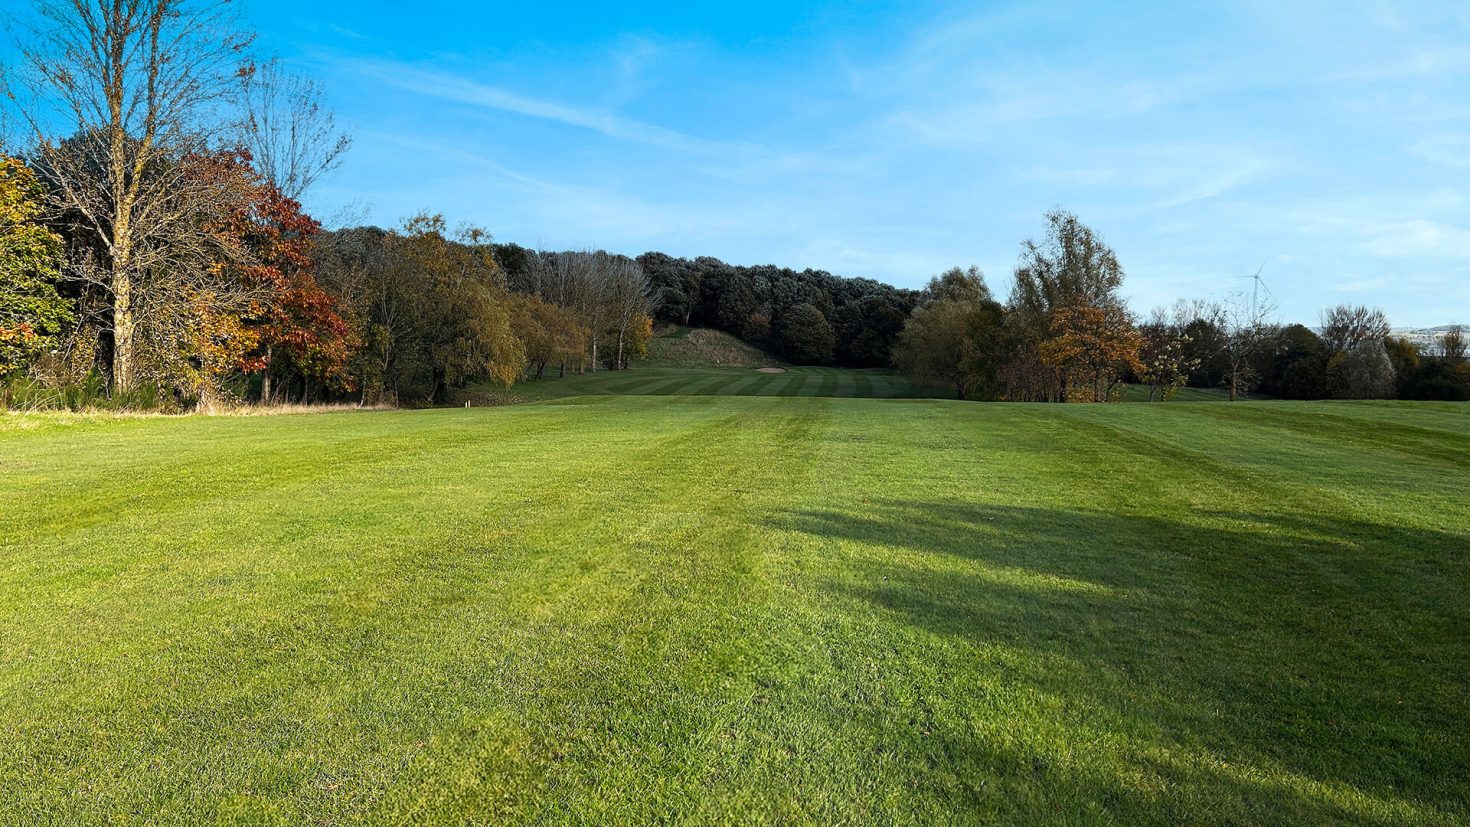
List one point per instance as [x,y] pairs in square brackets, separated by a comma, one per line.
[594,354]
[122,248]
[621,336]
[265,379]
[122,331]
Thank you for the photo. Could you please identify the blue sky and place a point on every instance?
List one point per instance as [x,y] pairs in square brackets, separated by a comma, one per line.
[1328,140]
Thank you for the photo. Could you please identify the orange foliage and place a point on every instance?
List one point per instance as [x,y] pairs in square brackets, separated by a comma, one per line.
[294,317]
[1091,346]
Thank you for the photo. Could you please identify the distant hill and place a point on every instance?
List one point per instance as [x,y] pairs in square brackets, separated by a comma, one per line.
[1439,330]
[1425,337]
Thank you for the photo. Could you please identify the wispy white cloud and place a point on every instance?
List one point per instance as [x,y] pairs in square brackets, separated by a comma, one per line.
[1449,150]
[1326,135]
[1205,177]
[455,87]
[1079,177]
[578,214]
[1415,239]
[346,32]
[1367,285]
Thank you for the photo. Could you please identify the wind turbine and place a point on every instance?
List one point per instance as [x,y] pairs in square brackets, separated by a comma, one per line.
[1257,285]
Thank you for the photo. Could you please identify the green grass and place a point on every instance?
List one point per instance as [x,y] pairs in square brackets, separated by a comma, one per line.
[688,361]
[660,380]
[685,361]
[704,609]
[654,378]
[1139,393]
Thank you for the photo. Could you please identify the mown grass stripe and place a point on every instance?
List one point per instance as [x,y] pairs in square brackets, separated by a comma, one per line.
[748,385]
[790,385]
[846,385]
[668,387]
[606,381]
[812,386]
[828,384]
[728,384]
[708,385]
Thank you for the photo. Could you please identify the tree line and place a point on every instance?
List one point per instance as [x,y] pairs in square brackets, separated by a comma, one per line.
[808,317]
[154,251]
[1065,334]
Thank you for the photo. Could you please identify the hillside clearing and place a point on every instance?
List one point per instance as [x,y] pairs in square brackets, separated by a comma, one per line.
[684,347]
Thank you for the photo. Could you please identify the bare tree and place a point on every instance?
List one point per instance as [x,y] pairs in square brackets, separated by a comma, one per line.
[292,138]
[1452,344]
[138,84]
[1164,353]
[630,300]
[7,121]
[582,282]
[1345,326]
[1248,330]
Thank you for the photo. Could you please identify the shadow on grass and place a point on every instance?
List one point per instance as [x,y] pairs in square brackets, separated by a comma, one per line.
[1286,664]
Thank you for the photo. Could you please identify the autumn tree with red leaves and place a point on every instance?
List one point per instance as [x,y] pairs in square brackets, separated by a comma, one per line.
[295,327]
[301,322]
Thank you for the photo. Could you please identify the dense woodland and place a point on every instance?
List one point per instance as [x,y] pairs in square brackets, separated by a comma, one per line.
[154,253]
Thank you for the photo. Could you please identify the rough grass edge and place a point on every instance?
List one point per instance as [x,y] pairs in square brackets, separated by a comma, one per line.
[25,419]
